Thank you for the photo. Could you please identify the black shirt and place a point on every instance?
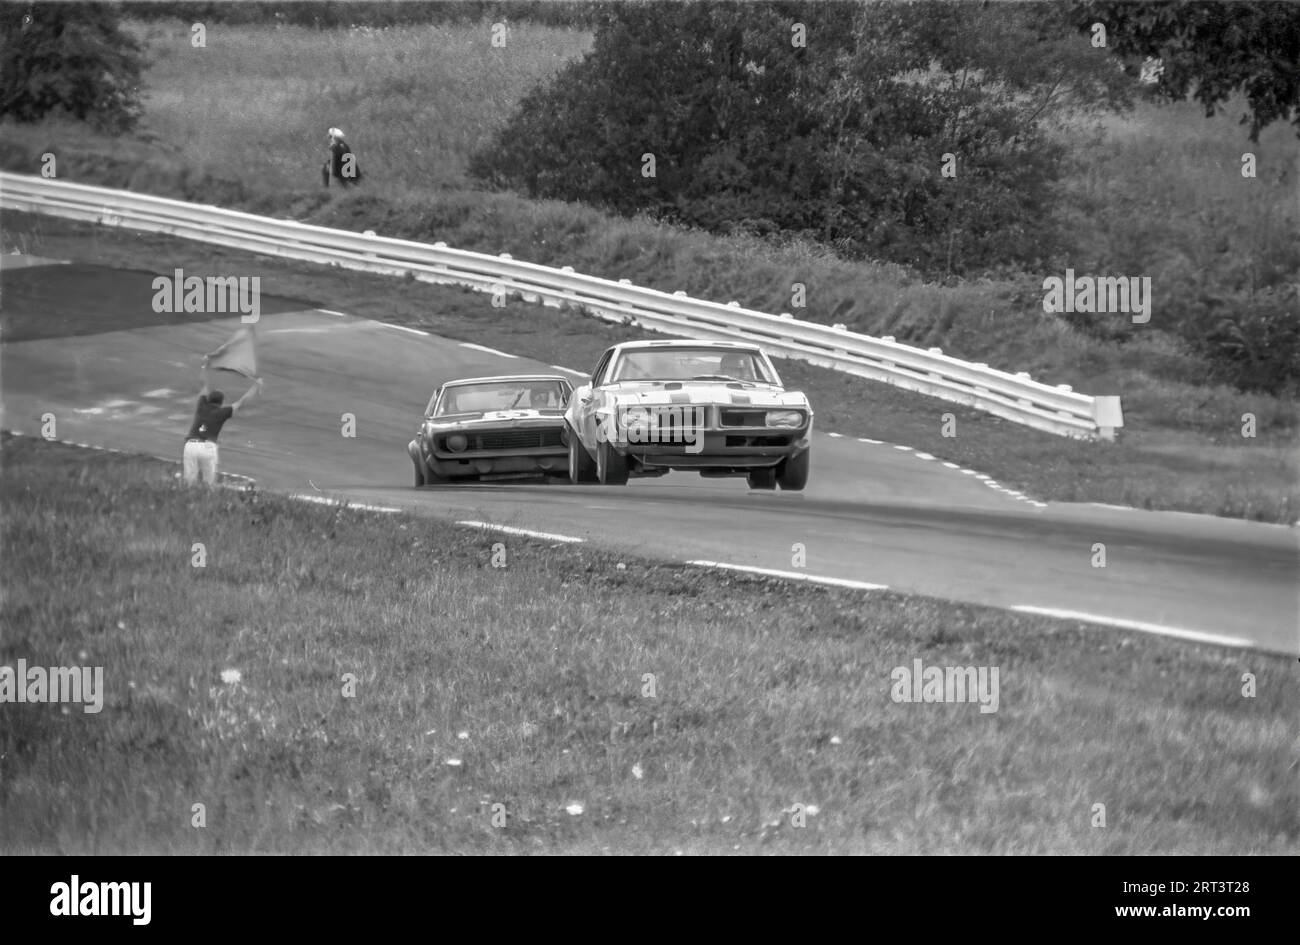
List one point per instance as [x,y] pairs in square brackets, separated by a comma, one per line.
[337,152]
[208,419]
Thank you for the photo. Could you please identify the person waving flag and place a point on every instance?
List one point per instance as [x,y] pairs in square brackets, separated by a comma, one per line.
[199,461]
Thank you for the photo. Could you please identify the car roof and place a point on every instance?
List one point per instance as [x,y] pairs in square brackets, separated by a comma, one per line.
[502,378]
[685,343]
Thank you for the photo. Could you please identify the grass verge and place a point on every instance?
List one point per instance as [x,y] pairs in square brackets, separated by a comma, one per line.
[534,676]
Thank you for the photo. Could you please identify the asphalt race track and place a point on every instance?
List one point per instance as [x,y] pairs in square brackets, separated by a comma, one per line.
[873,513]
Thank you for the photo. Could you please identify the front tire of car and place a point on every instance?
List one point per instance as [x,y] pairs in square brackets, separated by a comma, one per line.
[417,460]
[762,478]
[792,474]
[611,466]
[581,467]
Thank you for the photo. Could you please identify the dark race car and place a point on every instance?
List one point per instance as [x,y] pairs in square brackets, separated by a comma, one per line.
[493,428]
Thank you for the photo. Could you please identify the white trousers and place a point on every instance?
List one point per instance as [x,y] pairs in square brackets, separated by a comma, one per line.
[199,461]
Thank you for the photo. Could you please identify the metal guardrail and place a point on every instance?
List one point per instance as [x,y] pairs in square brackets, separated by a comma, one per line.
[1056,409]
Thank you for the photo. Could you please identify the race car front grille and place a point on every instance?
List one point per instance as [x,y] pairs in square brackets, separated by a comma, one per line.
[743,418]
[513,440]
[738,441]
[673,427]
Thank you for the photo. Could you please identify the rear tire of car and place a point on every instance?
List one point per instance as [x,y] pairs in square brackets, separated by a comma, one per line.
[611,466]
[792,474]
[762,478]
[581,466]
[420,471]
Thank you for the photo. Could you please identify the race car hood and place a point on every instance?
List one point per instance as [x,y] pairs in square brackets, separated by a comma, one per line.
[493,418]
[666,393]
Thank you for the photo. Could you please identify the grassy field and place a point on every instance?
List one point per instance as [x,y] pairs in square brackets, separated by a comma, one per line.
[241,124]
[526,686]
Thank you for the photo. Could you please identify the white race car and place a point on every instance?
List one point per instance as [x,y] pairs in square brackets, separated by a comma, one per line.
[713,407]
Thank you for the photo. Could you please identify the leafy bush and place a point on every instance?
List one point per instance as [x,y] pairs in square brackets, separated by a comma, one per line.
[1254,344]
[70,56]
[842,140]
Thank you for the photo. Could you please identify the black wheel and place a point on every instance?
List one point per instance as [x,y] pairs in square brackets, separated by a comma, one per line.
[611,466]
[793,473]
[424,476]
[581,466]
[762,478]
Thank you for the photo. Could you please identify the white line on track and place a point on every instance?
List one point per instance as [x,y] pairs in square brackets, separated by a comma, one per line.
[793,575]
[507,529]
[1141,626]
[414,331]
[325,311]
[863,439]
[835,435]
[906,449]
[502,354]
[951,465]
[570,370]
[343,503]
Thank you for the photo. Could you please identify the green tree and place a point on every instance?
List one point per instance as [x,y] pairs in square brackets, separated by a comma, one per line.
[1210,50]
[840,139]
[71,56]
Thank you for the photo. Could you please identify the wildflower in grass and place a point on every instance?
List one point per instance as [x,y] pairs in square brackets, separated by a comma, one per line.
[574,809]
[230,676]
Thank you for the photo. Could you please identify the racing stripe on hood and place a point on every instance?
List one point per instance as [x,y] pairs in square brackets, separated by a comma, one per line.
[679,397]
[740,398]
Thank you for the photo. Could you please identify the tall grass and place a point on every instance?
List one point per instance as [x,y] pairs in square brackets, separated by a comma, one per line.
[414,101]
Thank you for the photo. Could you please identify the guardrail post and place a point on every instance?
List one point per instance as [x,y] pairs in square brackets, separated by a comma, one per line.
[935,351]
[1108,416]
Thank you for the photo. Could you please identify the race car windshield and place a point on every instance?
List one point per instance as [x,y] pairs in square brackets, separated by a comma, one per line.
[684,364]
[481,398]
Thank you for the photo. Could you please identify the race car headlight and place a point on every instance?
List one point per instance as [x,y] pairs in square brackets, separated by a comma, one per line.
[785,418]
[634,417]
[457,442]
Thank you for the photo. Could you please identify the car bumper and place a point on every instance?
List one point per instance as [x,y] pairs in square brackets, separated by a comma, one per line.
[548,459]
[551,461]
[729,449]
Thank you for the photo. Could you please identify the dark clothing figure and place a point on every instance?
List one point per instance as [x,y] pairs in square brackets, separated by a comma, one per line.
[342,164]
[209,416]
[199,461]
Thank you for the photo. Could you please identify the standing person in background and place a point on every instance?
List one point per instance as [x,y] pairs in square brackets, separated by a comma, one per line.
[199,461]
[342,163]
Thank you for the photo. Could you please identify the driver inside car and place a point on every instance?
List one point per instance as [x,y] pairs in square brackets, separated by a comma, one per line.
[737,366]
[542,397]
